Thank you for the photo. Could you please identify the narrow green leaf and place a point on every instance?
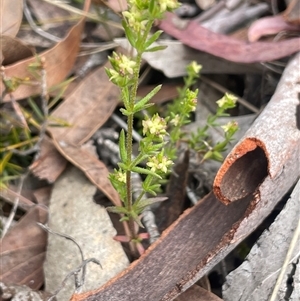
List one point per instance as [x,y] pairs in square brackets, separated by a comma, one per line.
[136,218]
[153,38]
[146,106]
[4,161]
[152,6]
[123,166]
[122,146]
[126,97]
[35,108]
[139,159]
[140,104]
[131,36]
[156,48]
[124,218]
[208,155]
[220,146]
[150,191]
[142,204]
[217,156]
[117,209]
[125,112]
[145,171]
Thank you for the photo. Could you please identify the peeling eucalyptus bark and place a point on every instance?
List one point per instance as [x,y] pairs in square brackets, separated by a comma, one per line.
[253,179]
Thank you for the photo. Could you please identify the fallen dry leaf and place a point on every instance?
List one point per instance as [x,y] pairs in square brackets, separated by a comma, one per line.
[197,293]
[14,50]
[115,5]
[22,251]
[194,35]
[93,168]
[10,17]
[50,164]
[87,108]
[42,195]
[172,61]
[10,194]
[292,13]
[58,62]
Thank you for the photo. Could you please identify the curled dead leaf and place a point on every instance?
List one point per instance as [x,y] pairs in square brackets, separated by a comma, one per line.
[22,250]
[13,50]
[10,17]
[196,36]
[58,62]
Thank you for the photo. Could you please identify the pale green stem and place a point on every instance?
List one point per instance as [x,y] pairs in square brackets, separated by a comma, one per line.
[133,93]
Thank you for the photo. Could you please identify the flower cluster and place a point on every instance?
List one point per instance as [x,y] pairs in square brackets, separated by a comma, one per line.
[228,101]
[141,12]
[136,19]
[122,71]
[159,163]
[230,128]
[167,5]
[190,101]
[155,126]
[193,69]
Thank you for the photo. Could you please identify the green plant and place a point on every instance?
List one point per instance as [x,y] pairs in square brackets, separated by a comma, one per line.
[157,149]
[23,126]
[199,141]
[138,21]
[180,109]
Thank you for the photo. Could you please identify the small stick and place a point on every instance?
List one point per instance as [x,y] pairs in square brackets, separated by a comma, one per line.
[15,206]
[286,262]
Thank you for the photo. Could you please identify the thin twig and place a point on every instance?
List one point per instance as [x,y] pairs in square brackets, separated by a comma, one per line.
[9,196]
[46,228]
[286,262]
[99,46]
[220,88]
[77,11]
[191,195]
[15,206]
[36,28]
[210,12]
[75,273]
[136,136]
[80,283]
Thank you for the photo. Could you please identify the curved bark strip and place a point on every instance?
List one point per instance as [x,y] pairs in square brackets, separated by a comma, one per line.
[266,166]
[191,241]
[268,144]
[192,34]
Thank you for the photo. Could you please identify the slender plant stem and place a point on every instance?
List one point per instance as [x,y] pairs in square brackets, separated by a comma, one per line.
[128,174]
[133,93]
